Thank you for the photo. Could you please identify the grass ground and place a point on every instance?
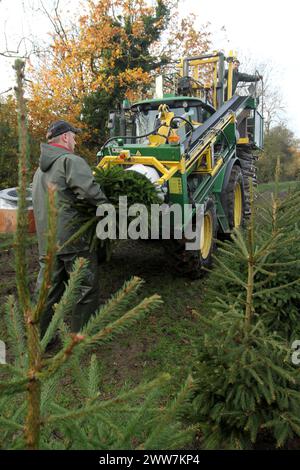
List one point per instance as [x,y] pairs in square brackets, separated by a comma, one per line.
[162,341]
[284,186]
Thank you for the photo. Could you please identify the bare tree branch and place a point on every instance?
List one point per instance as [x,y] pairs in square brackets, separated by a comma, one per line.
[274,107]
[60,22]
[6,91]
[35,50]
[56,22]
[48,16]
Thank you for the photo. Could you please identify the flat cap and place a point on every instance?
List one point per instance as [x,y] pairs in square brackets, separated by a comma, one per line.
[60,127]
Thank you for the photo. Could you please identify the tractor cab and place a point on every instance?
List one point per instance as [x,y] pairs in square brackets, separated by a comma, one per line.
[202,91]
[181,113]
[156,120]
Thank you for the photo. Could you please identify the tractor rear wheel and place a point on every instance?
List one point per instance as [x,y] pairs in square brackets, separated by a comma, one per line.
[191,262]
[233,198]
[247,160]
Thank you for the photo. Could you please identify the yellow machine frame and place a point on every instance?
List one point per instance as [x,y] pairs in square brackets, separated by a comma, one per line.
[203,155]
[197,74]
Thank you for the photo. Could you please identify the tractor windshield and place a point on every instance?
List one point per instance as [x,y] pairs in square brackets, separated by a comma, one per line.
[146,120]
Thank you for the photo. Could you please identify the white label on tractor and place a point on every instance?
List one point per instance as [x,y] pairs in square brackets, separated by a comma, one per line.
[116,149]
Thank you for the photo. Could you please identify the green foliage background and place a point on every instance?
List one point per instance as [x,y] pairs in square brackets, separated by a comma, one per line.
[280,143]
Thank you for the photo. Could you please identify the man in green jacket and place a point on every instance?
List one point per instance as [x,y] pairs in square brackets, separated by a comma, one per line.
[238,77]
[73,180]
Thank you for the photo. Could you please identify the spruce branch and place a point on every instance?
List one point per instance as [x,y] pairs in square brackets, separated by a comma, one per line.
[171,411]
[83,229]
[51,366]
[275,197]
[13,370]
[66,303]
[79,375]
[22,215]
[251,263]
[50,256]
[283,264]
[14,386]
[231,253]
[48,390]
[114,306]
[107,421]
[16,417]
[240,243]
[280,371]
[182,398]
[12,425]
[230,274]
[268,247]
[32,426]
[93,378]
[277,288]
[123,397]
[77,435]
[16,331]
[145,306]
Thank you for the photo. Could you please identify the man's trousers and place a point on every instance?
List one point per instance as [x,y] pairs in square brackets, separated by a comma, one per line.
[85,303]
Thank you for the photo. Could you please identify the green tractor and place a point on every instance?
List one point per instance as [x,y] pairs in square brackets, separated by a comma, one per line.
[200,142]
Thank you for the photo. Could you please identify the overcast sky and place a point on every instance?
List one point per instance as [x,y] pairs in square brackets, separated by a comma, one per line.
[263,30]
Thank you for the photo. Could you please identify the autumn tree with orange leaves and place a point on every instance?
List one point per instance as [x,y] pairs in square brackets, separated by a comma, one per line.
[111,53]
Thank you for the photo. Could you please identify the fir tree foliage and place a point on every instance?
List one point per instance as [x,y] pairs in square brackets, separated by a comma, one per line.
[246,382]
[276,293]
[135,418]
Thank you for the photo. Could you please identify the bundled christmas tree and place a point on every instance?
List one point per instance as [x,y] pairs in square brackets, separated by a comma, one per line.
[115,182]
[33,412]
[247,386]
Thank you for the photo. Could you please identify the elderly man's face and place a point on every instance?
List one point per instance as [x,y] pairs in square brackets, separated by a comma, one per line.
[236,65]
[67,140]
[70,140]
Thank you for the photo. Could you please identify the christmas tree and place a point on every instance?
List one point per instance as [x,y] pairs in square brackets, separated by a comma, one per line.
[247,385]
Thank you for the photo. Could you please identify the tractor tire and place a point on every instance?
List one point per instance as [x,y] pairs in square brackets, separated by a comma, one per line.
[190,263]
[233,198]
[247,160]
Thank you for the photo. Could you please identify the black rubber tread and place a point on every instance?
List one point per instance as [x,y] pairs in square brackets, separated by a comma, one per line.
[236,176]
[247,160]
[190,262]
